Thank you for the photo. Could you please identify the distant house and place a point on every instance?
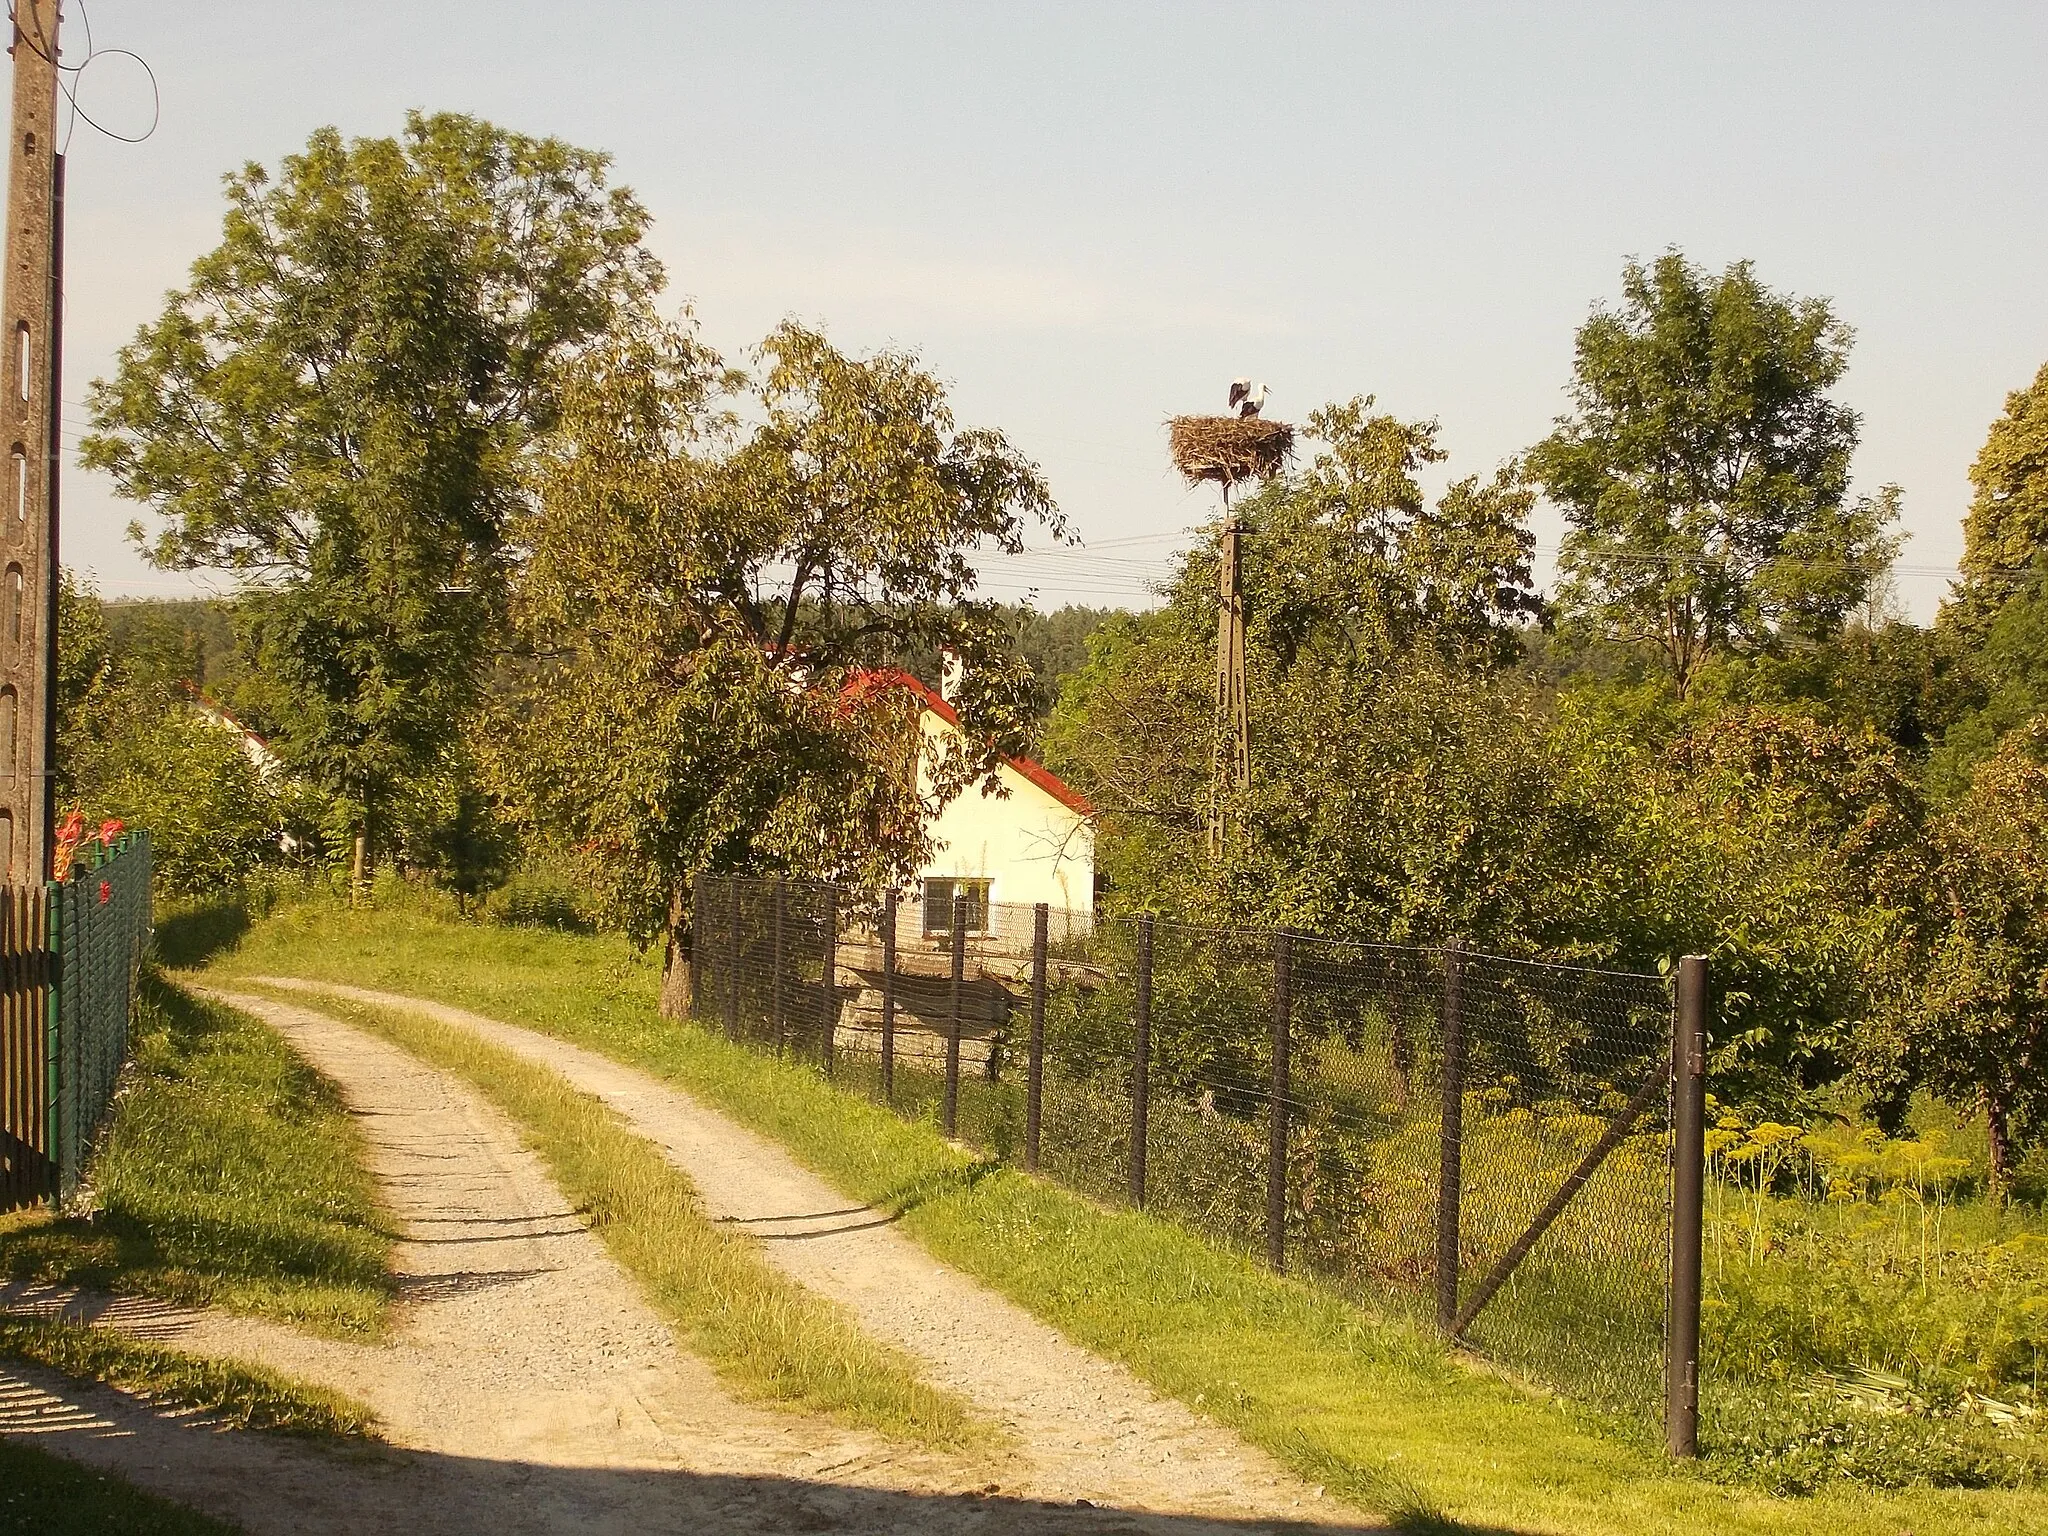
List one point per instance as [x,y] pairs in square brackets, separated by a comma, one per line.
[262,756]
[1003,852]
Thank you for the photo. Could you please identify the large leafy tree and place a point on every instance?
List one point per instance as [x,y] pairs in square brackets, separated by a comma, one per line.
[1993,630]
[705,604]
[2005,532]
[338,406]
[1979,1031]
[1793,854]
[1704,469]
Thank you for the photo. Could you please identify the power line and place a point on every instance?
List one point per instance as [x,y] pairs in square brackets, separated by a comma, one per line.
[77,71]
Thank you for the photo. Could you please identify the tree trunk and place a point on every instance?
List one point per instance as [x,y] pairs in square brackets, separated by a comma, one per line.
[675,961]
[1999,1132]
[360,875]
[1404,1054]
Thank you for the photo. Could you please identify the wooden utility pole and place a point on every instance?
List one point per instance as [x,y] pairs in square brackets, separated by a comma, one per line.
[30,296]
[1230,769]
[29,515]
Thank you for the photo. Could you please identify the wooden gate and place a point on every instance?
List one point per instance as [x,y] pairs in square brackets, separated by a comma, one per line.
[26,1090]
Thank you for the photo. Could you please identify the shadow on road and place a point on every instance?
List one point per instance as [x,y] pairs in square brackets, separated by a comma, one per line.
[276,1483]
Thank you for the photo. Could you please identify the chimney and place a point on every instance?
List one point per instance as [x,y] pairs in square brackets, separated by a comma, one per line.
[949,679]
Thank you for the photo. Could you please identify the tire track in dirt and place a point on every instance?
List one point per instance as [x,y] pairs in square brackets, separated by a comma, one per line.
[526,1386]
[1089,1427]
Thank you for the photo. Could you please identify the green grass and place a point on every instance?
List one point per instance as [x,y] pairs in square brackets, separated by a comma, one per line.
[1373,1410]
[763,1333]
[231,1395]
[44,1495]
[230,1176]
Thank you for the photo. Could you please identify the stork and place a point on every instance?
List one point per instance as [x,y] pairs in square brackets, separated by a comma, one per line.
[1246,398]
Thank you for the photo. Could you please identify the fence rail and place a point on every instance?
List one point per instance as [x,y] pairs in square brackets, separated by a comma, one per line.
[69,955]
[1482,1142]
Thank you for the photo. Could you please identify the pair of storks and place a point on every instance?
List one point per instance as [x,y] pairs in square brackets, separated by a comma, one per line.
[1246,397]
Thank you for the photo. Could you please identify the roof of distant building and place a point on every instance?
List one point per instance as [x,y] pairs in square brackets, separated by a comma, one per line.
[1030,768]
[223,714]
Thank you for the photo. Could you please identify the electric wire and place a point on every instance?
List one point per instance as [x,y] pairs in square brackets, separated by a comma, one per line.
[77,71]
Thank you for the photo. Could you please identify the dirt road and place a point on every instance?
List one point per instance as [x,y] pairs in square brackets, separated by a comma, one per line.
[527,1387]
[1089,1428]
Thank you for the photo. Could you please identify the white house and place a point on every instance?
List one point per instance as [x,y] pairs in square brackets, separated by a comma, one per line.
[262,757]
[1003,852]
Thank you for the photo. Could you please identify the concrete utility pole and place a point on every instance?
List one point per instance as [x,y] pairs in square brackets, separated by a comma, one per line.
[30,296]
[1231,763]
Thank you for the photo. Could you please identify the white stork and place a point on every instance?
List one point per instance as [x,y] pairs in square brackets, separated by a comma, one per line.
[1246,398]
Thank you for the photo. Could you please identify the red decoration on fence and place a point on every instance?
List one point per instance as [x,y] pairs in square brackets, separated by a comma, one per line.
[69,835]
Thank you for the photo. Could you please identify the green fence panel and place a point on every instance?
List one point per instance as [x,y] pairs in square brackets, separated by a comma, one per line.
[99,929]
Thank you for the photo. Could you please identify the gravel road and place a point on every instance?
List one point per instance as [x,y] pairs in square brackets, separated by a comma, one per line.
[1089,1427]
[527,1387]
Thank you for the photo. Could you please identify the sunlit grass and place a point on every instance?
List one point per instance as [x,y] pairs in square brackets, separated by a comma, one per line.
[229,1394]
[230,1175]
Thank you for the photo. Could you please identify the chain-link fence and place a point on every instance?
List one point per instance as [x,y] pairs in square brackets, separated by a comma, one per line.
[69,955]
[1481,1142]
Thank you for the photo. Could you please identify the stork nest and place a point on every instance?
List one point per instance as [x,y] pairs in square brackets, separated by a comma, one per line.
[1230,449]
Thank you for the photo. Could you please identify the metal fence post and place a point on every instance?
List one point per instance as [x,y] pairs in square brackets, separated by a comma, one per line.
[778,1021]
[1141,1061]
[1276,1124]
[828,1002]
[697,916]
[1451,1150]
[732,958]
[889,997]
[1034,1059]
[1688,1183]
[959,936]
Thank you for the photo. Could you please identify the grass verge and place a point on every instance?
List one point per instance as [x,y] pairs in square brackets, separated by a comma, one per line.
[45,1495]
[230,1175]
[231,1395]
[1375,1412]
[762,1332]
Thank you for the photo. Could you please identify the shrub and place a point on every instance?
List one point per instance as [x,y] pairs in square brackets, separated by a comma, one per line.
[535,899]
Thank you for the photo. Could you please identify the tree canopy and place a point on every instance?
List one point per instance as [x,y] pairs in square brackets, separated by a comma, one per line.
[1368,610]
[339,403]
[1704,469]
[704,603]
[2005,532]
[1979,1019]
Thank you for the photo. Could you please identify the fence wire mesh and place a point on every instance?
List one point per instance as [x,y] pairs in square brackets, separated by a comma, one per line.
[1479,1142]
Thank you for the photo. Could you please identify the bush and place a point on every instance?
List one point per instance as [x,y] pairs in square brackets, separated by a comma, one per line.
[210,815]
[535,899]
[1797,1443]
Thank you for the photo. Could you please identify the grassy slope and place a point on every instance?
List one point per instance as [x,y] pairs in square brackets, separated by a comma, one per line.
[1369,1409]
[761,1331]
[44,1495]
[230,1176]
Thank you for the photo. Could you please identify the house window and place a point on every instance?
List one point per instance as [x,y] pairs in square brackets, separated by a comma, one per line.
[938,904]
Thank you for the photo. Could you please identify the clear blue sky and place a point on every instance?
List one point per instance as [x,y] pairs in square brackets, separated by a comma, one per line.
[1088,217]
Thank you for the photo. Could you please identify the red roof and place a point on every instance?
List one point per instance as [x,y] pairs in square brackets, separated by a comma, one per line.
[1030,768]
[206,701]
